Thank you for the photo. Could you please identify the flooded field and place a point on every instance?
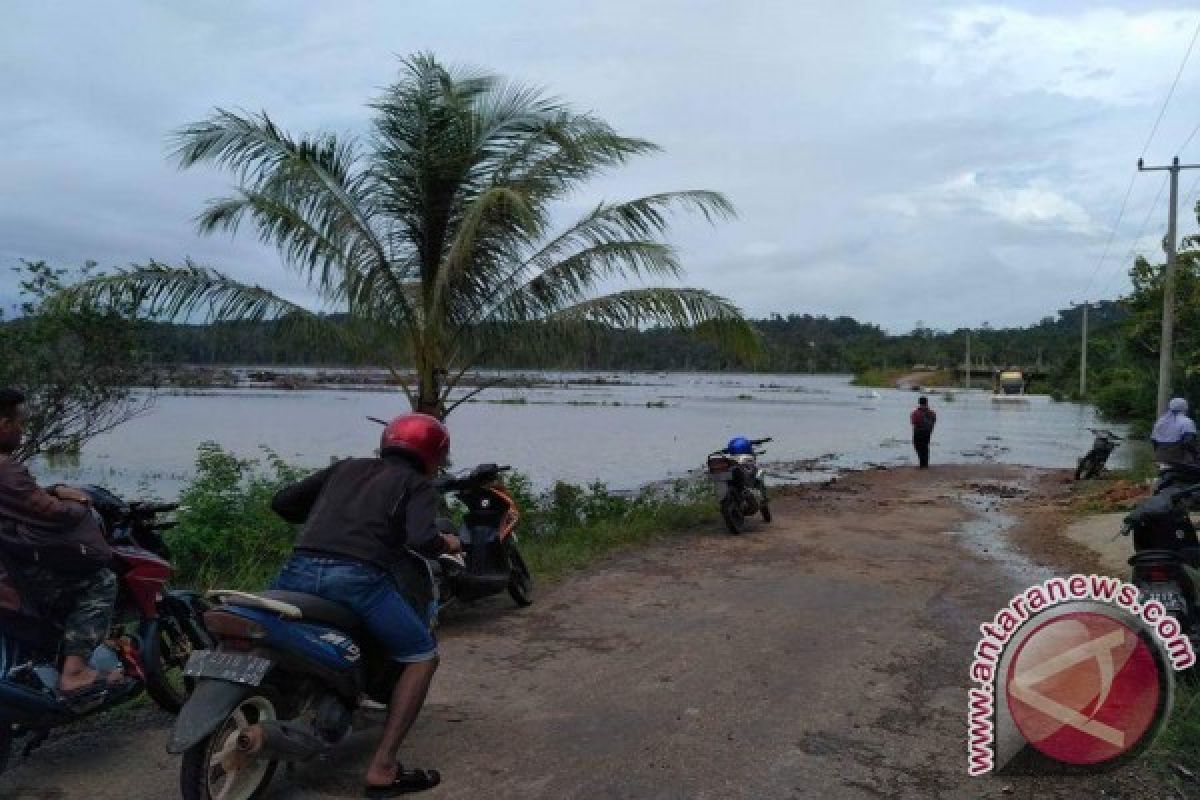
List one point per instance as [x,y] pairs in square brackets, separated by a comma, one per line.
[622,429]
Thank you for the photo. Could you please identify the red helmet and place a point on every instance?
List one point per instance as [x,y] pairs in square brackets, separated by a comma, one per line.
[420,435]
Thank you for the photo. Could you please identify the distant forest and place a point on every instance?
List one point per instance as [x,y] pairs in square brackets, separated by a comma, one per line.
[795,343]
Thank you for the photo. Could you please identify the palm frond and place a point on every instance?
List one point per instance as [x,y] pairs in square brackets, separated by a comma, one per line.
[308,196]
[644,218]
[707,314]
[500,215]
[574,278]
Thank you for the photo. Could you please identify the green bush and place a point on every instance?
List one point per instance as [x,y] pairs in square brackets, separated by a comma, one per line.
[228,536]
[1124,393]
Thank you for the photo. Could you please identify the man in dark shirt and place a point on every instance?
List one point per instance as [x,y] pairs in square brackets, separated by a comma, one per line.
[363,519]
[922,420]
[82,603]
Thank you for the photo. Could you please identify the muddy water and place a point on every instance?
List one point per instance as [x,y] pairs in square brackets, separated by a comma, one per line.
[624,430]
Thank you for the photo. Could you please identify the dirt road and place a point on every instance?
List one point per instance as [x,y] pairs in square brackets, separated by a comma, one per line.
[824,656]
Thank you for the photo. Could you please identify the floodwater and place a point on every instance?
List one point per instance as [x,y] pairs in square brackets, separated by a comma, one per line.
[625,430]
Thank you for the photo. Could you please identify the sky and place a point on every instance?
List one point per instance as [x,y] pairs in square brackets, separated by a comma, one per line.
[948,164]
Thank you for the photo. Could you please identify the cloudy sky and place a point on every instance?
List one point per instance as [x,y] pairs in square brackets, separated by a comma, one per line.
[949,163]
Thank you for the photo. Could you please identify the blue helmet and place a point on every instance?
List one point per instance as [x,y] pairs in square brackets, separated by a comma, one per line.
[740,446]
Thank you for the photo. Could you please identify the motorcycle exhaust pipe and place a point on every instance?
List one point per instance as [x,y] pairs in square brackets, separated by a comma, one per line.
[283,741]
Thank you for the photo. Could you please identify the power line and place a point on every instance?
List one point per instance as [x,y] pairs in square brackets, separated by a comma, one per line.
[1112,232]
[1149,138]
[1145,222]
[1193,199]
[1178,74]
[1188,140]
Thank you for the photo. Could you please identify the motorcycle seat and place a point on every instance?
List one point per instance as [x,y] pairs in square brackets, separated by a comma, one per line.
[317,609]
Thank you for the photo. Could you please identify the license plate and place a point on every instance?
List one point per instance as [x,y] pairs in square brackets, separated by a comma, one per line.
[232,667]
[1171,599]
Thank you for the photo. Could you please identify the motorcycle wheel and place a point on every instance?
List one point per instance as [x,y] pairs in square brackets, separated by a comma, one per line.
[212,768]
[166,644]
[731,512]
[520,583]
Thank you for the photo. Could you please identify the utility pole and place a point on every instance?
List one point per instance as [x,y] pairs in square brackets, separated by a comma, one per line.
[1165,361]
[1083,355]
[967,378]
[1083,352]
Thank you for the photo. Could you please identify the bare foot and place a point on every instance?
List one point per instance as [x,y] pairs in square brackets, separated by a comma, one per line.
[82,678]
[379,776]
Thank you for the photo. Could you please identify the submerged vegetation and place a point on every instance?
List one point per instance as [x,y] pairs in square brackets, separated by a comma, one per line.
[228,536]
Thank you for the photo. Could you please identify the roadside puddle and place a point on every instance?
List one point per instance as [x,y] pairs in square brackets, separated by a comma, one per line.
[984,532]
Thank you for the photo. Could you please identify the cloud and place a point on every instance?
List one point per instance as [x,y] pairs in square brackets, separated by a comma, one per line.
[874,150]
[1086,55]
[1033,205]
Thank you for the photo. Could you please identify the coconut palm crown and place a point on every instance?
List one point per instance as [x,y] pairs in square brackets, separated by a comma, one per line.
[435,232]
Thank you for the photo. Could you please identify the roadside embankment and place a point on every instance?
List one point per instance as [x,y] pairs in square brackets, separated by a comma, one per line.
[1075,526]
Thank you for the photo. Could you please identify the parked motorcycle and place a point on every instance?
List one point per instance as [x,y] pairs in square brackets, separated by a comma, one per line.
[490,562]
[1164,542]
[1092,464]
[154,630]
[1171,475]
[740,486]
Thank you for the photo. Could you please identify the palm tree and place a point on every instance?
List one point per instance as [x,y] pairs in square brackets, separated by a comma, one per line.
[435,233]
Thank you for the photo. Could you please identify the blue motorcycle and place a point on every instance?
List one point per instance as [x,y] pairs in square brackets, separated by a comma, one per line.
[282,685]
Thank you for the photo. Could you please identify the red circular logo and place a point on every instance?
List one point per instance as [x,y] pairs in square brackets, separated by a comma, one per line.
[1084,688]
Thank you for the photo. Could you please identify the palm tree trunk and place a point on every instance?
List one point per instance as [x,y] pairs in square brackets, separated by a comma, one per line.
[429,389]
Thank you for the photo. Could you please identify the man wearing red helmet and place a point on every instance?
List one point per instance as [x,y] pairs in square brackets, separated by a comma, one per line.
[365,522]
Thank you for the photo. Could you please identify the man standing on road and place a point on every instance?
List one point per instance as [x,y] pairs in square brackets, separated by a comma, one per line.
[922,419]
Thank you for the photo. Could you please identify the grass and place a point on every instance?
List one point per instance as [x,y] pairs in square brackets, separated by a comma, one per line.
[1179,745]
[553,554]
[877,378]
[228,537]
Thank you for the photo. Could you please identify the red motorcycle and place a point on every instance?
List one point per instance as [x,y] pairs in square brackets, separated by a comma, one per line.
[154,631]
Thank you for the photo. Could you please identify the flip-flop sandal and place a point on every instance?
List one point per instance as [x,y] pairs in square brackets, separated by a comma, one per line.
[99,688]
[85,698]
[407,781]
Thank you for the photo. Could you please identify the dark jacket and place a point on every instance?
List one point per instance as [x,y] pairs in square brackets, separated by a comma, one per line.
[365,509]
[35,526]
[22,500]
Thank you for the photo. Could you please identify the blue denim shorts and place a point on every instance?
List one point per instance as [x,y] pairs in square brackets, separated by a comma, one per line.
[371,594]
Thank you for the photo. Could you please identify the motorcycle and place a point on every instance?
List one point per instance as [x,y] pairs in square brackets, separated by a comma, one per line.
[154,630]
[1092,464]
[282,684]
[289,669]
[490,562]
[1164,542]
[740,486]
